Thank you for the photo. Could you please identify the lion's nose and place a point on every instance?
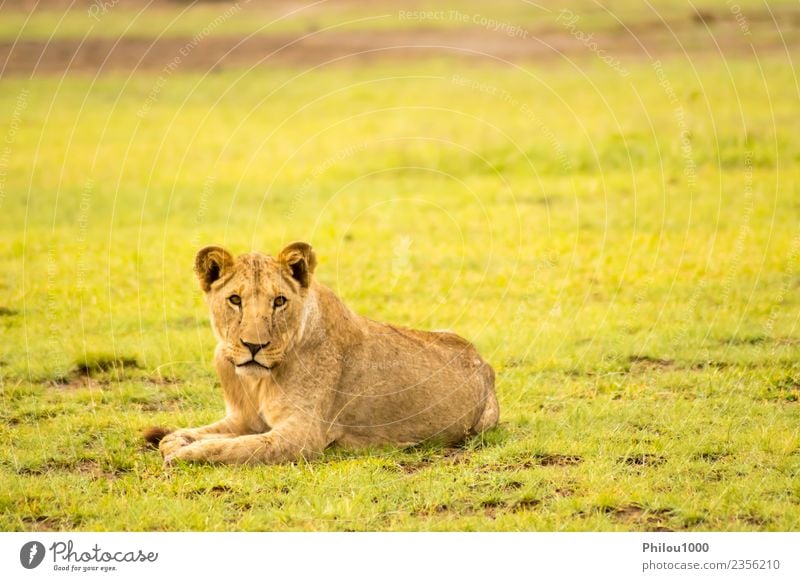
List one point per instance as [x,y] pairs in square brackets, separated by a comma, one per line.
[254,347]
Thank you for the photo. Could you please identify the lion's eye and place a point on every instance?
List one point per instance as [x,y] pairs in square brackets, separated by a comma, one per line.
[235,300]
[279,301]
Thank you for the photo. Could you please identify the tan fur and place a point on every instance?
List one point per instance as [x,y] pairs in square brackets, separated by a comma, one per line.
[326,376]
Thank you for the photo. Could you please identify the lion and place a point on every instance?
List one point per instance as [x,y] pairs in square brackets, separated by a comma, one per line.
[301,372]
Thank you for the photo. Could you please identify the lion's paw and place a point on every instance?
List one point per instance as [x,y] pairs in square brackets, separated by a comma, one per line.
[173,442]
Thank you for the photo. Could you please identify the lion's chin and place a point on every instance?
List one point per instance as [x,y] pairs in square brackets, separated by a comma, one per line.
[253,369]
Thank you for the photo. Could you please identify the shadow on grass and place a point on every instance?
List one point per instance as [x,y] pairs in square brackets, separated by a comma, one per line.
[413,458]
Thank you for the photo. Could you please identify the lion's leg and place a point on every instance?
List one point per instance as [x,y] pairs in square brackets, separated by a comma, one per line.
[228,427]
[491,410]
[284,443]
[489,417]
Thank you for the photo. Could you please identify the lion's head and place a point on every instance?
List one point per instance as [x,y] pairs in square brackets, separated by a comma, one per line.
[257,302]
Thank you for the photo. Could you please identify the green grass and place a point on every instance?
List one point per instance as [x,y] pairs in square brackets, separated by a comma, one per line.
[639,301]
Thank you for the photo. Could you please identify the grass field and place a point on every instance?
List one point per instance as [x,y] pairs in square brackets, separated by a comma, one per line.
[622,246]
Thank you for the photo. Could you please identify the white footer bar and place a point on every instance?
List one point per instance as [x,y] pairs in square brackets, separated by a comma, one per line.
[400,556]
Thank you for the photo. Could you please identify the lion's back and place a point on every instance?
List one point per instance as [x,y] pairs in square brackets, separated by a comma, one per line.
[410,385]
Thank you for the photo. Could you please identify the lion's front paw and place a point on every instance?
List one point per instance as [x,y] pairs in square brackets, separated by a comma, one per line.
[173,442]
[201,451]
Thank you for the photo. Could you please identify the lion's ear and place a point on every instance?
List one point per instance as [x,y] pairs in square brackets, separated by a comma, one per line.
[210,264]
[301,261]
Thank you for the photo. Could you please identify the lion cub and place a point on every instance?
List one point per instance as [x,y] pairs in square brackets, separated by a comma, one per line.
[300,371]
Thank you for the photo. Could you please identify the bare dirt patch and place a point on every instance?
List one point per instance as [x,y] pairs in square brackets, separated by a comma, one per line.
[84,467]
[711,457]
[410,466]
[96,471]
[641,363]
[525,462]
[558,460]
[512,485]
[96,370]
[643,460]
[700,365]
[41,523]
[633,515]
[448,456]
[215,490]
[47,523]
[95,363]
[650,40]
[784,390]
[489,508]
